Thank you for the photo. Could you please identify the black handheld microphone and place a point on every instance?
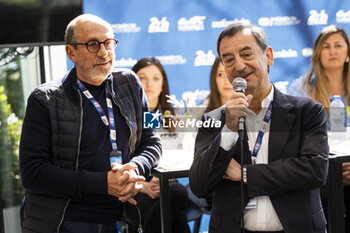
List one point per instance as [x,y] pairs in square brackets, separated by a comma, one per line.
[239,85]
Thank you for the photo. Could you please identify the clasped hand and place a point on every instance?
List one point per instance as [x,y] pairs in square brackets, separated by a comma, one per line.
[123,182]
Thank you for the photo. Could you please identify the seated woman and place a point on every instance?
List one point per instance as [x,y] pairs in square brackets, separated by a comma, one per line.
[329,76]
[329,72]
[220,88]
[220,92]
[155,83]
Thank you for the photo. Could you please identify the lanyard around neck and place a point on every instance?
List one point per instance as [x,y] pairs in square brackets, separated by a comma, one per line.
[261,133]
[107,121]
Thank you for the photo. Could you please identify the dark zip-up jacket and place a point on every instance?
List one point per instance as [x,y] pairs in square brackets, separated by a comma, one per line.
[50,175]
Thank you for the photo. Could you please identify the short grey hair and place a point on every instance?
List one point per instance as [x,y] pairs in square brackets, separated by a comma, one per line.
[232,29]
[69,36]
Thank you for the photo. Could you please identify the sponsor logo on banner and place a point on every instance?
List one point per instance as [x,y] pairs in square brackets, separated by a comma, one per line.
[125,62]
[285,53]
[343,17]
[224,22]
[307,52]
[204,59]
[157,25]
[172,60]
[151,120]
[278,21]
[125,28]
[316,18]
[195,23]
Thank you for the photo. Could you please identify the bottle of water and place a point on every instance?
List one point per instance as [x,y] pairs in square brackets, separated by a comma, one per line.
[337,119]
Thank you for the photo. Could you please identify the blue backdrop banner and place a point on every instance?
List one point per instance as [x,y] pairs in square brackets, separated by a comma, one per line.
[183,34]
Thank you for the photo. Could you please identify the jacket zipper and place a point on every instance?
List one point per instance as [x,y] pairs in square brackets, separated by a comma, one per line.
[127,119]
[77,160]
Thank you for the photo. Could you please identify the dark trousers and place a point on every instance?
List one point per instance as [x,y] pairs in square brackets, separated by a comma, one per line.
[150,211]
[82,227]
[347,208]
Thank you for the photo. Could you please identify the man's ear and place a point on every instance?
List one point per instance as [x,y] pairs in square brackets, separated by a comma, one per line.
[71,53]
[269,55]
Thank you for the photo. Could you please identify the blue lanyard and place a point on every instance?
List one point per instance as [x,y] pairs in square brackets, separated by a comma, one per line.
[261,133]
[115,155]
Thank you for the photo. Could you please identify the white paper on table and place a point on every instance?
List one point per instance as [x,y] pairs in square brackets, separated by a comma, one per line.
[176,159]
[339,148]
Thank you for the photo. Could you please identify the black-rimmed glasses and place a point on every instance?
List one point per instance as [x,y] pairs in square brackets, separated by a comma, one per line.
[93,46]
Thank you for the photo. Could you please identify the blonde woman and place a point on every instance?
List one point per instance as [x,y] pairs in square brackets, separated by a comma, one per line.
[329,73]
[329,76]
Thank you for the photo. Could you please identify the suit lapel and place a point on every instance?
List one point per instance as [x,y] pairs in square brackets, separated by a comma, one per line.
[282,121]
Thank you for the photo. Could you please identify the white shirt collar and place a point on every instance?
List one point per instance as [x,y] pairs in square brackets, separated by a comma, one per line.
[265,103]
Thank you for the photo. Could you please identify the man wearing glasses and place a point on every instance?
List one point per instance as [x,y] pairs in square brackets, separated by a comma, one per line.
[83,148]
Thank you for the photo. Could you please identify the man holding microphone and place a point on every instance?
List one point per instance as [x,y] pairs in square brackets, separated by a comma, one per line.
[285,148]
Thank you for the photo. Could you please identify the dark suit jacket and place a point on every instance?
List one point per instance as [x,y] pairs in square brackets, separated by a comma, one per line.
[297,167]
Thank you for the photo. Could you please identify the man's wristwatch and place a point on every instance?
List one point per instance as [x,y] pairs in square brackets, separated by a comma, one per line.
[245,174]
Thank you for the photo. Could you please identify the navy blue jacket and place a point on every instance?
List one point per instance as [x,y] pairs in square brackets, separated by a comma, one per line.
[50,173]
[297,167]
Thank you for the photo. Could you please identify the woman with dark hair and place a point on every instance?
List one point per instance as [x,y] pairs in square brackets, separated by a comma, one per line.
[220,92]
[220,88]
[155,84]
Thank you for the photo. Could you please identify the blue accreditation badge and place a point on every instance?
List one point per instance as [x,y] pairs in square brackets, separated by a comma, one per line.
[115,157]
